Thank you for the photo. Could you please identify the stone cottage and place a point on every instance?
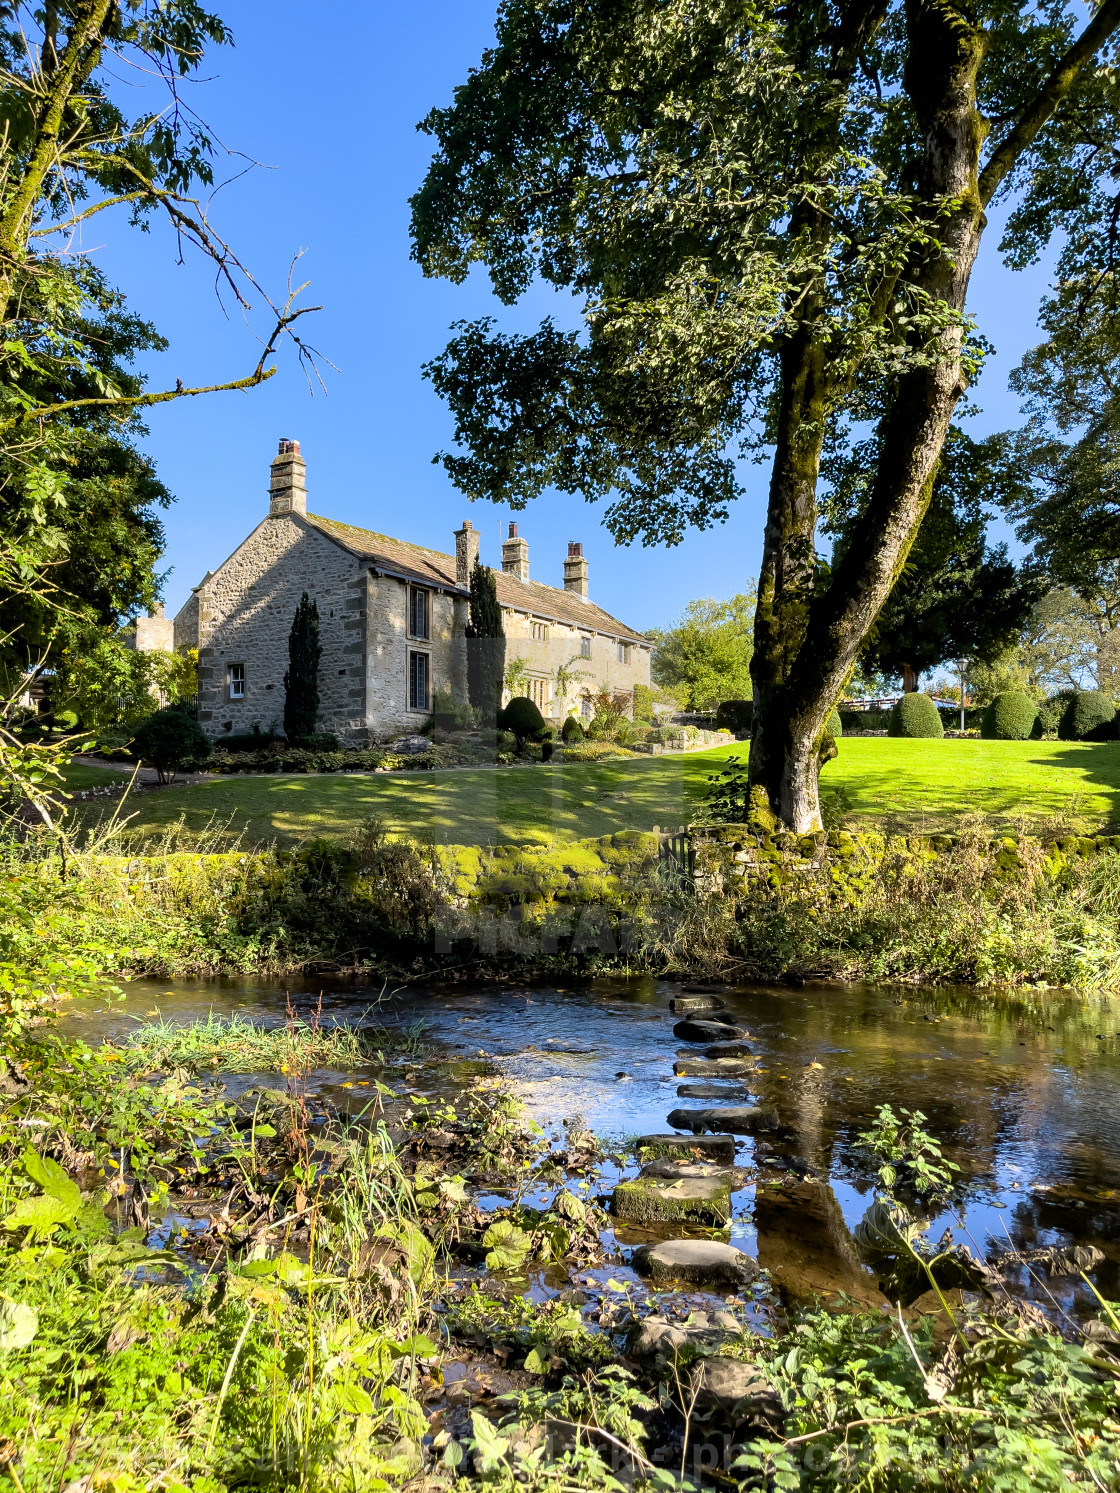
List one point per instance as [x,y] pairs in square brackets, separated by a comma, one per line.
[392,620]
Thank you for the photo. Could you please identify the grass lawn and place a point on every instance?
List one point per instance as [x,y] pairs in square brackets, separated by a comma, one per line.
[911,784]
[79,775]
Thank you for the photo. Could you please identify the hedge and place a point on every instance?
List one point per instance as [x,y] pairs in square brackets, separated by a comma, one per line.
[915,716]
[1011,716]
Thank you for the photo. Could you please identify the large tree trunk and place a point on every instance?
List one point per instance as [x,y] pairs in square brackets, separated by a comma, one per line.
[809,643]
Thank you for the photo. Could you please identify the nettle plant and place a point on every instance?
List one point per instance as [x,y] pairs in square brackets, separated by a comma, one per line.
[908,1154]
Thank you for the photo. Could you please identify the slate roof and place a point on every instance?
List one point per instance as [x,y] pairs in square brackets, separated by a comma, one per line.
[430,567]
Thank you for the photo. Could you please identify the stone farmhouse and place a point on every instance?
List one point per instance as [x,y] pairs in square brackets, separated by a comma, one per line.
[392,623]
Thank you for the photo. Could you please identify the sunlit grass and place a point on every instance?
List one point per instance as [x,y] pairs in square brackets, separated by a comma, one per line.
[911,783]
[237,1045]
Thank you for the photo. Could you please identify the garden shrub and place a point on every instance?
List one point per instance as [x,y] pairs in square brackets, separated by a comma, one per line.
[1011,716]
[834,725]
[170,740]
[255,740]
[915,716]
[1052,709]
[1089,716]
[572,730]
[523,719]
[737,716]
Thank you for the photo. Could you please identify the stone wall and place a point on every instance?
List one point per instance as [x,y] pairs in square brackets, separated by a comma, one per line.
[602,670]
[245,612]
[387,647]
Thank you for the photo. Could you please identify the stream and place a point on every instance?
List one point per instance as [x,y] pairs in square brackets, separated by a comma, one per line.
[1021,1090]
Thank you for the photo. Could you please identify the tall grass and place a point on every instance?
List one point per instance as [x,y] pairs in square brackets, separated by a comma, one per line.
[238,1045]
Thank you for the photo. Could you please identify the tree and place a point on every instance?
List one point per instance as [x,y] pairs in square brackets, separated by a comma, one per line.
[78,502]
[771,214]
[956,597]
[707,652]
[170,739]
[486,644]
[301,677]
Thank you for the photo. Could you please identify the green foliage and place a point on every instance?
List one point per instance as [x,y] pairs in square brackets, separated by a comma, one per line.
[728,799]
[956,596]
[1011,716]
[909,1156]
[523,718]
[169,740]
[644,700]
[735,715]
[572,729]
[486,645]
[706,654]
[301,677]
[915,716]
[834,726]
[1089,716]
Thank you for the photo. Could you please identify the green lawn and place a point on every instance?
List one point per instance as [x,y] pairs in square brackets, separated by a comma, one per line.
[78,775]
[911,784]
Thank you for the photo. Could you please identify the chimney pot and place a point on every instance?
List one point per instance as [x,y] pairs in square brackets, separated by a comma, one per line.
[515,555]
[466,552]
[287,490]
[575,570]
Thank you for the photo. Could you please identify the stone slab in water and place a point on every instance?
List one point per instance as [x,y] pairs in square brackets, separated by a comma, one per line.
[715,1067]
[712,1091]
[656,1199]
[730,1385]
[707,1031]
[739,1119]
[686,1147]
[667,1166]
[682,1003]
[702,1261]
[728,1050]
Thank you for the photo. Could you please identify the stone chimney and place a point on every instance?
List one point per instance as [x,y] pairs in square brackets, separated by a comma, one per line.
[466,552]
[287,492]
[575,571]
[515,555]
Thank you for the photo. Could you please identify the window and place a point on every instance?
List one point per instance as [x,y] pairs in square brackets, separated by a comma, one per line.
[624,653]
[540,691]
[585,708]
[539,631]
[418,612]
[235,679]
[585,647]
[418,666]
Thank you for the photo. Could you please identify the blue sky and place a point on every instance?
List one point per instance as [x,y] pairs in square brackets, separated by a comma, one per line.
[328,104]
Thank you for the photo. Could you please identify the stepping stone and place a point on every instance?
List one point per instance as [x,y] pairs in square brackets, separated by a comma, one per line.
[686,1148]
[667,1167]
[707,1031]
[658,1334]
[682,1003]
[728,1050]
[701,1261]
[715,1067]
[732,1386]
[740,1119]
[712,1091]
[656,1199]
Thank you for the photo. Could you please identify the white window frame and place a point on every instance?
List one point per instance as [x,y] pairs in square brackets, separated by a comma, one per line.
[235,681]
[540,692]
[414,654]
[585,646]
[623,652]
[539,632]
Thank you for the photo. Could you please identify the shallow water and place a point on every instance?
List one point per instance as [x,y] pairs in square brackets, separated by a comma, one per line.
[1023,1092]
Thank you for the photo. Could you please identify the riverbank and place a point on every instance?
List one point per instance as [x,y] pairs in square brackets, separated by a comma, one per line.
[359,1263]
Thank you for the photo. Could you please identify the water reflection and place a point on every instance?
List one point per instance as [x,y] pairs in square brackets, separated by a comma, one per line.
[1022,1092]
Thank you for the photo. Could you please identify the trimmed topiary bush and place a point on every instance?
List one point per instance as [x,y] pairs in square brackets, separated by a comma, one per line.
[523,718]
[834,725]
[170,740]
[736,716]
[1089,716]
[1011,716]
[572,730]
[915,716]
